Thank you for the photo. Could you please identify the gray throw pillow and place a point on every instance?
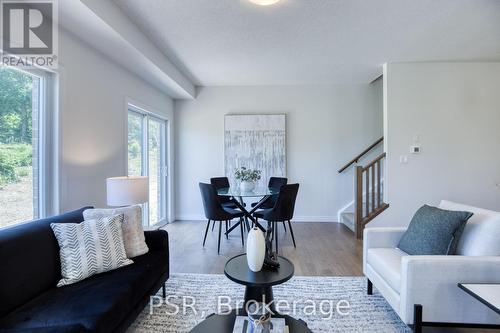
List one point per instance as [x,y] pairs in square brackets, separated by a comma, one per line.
[133,234]
[434,231]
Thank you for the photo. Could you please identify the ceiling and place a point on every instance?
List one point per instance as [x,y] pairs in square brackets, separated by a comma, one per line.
[233,42]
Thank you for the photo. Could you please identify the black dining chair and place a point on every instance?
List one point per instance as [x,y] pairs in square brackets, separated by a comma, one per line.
[223,182]
[282,211]
[214,211]
[275,183]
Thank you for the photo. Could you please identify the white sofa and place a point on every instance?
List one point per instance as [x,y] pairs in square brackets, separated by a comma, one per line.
[408,281]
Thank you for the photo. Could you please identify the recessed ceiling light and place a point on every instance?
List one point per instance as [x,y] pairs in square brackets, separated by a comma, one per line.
[264,2]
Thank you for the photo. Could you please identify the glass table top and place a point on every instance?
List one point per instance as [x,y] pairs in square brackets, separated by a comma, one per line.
[257,192]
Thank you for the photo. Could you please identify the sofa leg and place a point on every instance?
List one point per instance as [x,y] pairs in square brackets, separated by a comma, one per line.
[369,287]
[164,291]
[417,318]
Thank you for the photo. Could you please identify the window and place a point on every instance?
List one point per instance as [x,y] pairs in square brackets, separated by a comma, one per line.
[25,141]
[147,157]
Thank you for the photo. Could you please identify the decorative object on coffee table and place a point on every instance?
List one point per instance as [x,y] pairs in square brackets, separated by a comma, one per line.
[225,324]
[259,317]
[271,258]
[256,249]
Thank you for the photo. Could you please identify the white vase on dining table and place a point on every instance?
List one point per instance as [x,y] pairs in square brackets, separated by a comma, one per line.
[247,186]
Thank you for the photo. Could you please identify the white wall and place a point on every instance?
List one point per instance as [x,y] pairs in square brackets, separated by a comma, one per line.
[326,126]
[93,95]
[455,110]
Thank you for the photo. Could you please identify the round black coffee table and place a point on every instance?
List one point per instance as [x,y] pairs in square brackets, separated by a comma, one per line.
[259,285]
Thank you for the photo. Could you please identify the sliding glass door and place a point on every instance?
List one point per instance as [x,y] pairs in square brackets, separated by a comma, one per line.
[147,157]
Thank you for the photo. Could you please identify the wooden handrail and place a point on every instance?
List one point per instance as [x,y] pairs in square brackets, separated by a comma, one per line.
[355,160]
[375,161]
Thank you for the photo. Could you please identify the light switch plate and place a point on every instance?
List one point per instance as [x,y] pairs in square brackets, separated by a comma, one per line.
[403,159]
[415,149]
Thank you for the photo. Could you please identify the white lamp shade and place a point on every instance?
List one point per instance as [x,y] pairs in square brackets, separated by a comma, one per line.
[125,191]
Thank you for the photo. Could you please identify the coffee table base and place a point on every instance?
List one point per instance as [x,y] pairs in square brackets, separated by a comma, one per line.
[261,295]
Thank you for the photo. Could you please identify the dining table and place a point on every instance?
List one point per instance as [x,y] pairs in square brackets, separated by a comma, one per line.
[237,196]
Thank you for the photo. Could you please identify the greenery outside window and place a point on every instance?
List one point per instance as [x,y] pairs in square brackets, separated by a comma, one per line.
[147,157]
[26,141]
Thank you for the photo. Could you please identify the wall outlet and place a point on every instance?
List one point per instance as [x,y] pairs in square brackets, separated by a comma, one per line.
[403,159]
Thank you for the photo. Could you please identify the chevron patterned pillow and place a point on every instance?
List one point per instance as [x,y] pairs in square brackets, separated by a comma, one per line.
[90,247]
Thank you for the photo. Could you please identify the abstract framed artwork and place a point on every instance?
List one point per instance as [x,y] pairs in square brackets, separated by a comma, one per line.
[255,141]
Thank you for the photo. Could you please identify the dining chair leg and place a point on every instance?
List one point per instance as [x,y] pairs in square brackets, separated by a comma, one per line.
[276,235]
[227,236]
[241,227]
[220,229]
[284,225]
[206,232]
[213,226]
[291,231]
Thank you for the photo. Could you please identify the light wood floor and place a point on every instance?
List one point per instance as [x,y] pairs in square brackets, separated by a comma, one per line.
[323,249]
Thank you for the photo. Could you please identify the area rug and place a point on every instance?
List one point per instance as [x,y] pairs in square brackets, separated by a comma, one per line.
[326,304]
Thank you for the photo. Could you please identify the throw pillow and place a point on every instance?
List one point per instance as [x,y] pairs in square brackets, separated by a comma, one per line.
[89,248]
[482,232]
[433,231]
[133,234]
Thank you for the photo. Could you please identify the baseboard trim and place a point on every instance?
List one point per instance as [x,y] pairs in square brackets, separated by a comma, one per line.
[325,219]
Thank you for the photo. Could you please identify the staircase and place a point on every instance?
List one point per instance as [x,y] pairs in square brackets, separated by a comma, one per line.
[369,189]
[347,215]
[348,219]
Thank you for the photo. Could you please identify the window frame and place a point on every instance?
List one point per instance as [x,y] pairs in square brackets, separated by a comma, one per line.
[164,209]
[47,142]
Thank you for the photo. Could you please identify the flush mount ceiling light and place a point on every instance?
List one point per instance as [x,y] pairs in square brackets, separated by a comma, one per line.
[264,2]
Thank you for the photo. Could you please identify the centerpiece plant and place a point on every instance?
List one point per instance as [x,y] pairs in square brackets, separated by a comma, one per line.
[247,178]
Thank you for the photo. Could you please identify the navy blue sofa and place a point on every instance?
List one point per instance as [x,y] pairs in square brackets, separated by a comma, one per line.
[107,302]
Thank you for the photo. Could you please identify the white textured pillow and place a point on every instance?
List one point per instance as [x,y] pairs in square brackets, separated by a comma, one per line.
[133,234]
[89,248]
[481,236]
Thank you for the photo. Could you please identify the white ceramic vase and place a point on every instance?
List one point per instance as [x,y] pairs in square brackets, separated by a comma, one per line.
[247,186]
[256,249]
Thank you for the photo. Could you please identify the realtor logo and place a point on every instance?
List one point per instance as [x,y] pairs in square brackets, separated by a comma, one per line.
[29,33]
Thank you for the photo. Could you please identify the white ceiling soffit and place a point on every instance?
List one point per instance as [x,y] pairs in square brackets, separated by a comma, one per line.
[101,24]
[234,42]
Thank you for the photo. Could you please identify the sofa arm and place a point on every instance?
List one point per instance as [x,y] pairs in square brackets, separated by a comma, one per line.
[432,282]
[380,238]
[157,240]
